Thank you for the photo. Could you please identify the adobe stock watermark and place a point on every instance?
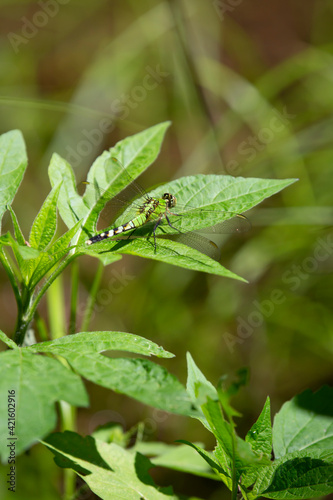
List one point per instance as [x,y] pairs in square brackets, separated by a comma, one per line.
[120,109]
[223,7]
[254,144]
[30,27]
[292,278]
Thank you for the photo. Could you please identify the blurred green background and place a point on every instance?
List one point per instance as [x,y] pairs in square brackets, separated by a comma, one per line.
[248,88]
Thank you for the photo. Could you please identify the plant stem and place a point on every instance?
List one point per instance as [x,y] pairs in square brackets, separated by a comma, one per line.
[74,297]
[56,310]
[92,297]
[25,318]
[67,423]
[41,327]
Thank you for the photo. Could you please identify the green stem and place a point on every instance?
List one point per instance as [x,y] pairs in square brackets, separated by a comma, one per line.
[56,310]
[41,327]
[74,296]
[27,318]
[92,298]
[67,423]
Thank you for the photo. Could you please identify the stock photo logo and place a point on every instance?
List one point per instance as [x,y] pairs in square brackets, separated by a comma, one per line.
[120,109]
[30,27]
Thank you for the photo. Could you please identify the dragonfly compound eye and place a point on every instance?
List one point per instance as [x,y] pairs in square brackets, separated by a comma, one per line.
[170,198]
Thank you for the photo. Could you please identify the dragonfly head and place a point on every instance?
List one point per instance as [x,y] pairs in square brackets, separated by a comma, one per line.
[171,199]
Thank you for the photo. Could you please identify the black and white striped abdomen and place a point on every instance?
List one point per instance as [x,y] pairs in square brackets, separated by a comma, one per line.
[108,234]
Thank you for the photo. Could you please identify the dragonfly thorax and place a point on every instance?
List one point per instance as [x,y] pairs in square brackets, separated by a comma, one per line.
[170,199]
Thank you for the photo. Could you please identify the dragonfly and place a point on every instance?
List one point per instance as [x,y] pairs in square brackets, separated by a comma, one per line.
[157,210]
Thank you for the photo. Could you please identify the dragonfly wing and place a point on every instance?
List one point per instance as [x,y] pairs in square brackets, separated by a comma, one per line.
[206,220]
[198,242]
[237,224]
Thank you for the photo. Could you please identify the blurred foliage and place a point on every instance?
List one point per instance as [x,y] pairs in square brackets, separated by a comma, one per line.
[249,93]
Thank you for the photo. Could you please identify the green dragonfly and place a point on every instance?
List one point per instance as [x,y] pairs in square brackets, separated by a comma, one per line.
[157,210]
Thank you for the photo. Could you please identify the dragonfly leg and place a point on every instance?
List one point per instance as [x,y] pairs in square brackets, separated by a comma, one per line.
[131,233]
[158,222]
[168,221]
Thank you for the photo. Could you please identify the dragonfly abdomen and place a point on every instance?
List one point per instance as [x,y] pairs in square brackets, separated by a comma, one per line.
[146,213]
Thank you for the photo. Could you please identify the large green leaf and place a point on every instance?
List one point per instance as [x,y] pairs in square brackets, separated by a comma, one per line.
[38,382]
[294,476]
[206,200]
[95,342]
[305,423]
[167,251]
[203,201]
[111,472]
[13,162]
[138,378]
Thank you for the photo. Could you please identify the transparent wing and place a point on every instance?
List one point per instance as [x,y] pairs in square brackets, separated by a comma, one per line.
[209,221]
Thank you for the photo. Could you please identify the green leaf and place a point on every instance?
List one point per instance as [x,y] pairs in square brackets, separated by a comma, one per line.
[13,162]
[207,200]
[295,476]
[170,252]
[221,429]
[213,199]
[135,154]
[305,423]
[45,224]
[38,382]
[70,204]
[96,342]
[25,256]
[9,342]
[17,230]
[107,178]
[179,457]
[198,387]
[25,252]
[210,460]
[138,378]
[238,451]
[111,472]
[51,257]
[260,434]
[203,201]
